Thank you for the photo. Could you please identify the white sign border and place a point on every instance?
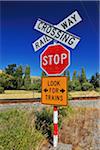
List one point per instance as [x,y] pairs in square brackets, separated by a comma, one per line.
[41,60]
[47,42]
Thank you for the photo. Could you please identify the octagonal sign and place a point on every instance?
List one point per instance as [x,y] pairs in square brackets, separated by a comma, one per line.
[55,60]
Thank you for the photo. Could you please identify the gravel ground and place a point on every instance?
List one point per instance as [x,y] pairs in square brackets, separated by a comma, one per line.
[74,103]
[85,103]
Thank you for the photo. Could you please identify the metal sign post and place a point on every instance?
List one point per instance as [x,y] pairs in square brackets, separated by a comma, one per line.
[55,124]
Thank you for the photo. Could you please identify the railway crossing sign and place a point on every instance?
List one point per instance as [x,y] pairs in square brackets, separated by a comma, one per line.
[54,91]
[57,32]
[55,59]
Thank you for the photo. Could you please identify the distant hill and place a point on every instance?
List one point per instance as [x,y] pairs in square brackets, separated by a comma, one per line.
[35,77]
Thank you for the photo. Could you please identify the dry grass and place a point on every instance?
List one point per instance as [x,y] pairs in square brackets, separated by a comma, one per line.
[84,93]
[10,94]
[81,129]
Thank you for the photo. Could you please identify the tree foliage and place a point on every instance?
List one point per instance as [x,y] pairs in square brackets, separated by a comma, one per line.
[27,79]
[19,76]
[74,76]
[15,77]
[95,80]
[87,86]
[10,69]
[83,76]
[68,75]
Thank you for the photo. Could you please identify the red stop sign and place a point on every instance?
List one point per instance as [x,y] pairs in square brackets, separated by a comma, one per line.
[55,59]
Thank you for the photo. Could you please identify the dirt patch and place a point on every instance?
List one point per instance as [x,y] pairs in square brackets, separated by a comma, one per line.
[82,130]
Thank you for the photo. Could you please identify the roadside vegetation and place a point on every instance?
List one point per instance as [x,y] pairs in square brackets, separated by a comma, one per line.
[16,77]
[27,129]
[32,128]
[17,130]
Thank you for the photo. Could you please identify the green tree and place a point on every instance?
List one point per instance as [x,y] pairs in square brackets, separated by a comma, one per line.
[76,86]
[10,69]
[27,79]
[79,77]
[70,88]
[68,75]
[74,76]
[7,81]
[97,83]
[87,86]
[95,80]
[64,74]
[19,76]
[83,76]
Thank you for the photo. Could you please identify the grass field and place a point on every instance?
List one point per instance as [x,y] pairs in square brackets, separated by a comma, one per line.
[84,93]
[10,94]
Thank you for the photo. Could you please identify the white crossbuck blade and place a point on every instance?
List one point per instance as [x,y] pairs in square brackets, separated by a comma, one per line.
[57,32]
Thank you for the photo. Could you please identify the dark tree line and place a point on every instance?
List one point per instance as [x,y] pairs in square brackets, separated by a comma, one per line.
[18,77]
[80,82]
[15,77]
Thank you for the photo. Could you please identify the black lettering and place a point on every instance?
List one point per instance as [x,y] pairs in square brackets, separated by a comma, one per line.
[61,98]
[47,97]
[54,83]
[58,83]
[41,43]
[44,27]
[62,35]
[58,33]
[53,98]
[48,29]
[37,45]
[65,38]
[74,17]
[39,25]
[57,97]
[64,25]
[44,38]
[70,22]
[53,32]
[47,38]
[70,42]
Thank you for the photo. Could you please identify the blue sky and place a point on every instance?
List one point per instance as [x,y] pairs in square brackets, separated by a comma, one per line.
[17,33]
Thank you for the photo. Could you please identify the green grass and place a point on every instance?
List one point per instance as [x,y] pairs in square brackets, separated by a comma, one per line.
[17,130]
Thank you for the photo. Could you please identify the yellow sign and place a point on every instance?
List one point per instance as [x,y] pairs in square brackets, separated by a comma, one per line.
[54,91]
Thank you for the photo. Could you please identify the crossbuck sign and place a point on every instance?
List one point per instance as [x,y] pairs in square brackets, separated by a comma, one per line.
[57,32]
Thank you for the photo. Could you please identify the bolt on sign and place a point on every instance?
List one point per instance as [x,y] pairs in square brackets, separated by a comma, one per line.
[54,91]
